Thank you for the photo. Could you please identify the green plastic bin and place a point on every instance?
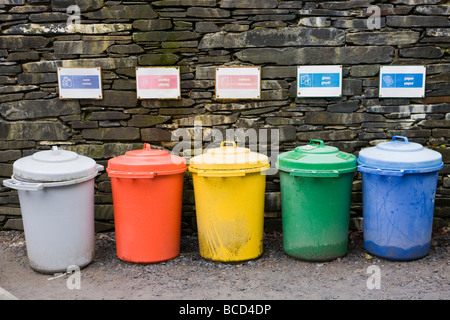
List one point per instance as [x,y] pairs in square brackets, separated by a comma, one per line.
[316,184]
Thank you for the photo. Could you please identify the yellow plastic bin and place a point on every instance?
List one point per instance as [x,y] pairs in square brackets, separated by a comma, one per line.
[229,188]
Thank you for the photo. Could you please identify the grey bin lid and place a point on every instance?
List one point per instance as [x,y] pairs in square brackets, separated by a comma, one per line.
[54,166]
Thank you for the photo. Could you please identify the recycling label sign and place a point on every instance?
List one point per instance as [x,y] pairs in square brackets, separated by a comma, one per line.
[319,81]
[80,83]
[238,82]
[158,83]
[402,82]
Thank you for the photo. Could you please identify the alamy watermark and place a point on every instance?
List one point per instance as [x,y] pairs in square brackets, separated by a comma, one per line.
[374,21]
[197,140]
[74,279]
[263,141]
[374,280]
[75,18]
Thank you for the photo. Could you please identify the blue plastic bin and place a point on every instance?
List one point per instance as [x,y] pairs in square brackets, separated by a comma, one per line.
[399,180]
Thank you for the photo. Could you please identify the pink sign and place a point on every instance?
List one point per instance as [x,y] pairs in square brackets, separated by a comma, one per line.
[158,82]
[237,81]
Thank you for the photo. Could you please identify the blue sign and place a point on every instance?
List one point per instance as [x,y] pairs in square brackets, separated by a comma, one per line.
[402,80]
[80,82]
[319,80]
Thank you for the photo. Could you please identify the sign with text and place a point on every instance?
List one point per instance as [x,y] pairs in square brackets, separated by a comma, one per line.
[238,82]
[80,83]
[402,82]
[158,83]
[319,81]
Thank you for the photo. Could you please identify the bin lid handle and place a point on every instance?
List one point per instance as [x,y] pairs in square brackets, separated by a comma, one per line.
[222,145]
[397,138]
[315,142]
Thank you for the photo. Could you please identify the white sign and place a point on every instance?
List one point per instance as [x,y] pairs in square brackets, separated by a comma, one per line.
[158,83]
[80,83]
[319,81]
[238,82]
[402,82]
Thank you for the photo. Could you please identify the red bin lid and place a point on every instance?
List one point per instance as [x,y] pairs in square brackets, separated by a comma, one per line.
[145,163]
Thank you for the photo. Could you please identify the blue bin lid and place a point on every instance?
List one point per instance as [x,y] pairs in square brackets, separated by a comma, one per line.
[400,154]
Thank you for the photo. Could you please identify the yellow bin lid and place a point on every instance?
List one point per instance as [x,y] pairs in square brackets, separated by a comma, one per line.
[228,160]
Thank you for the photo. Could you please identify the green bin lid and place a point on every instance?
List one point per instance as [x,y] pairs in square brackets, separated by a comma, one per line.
[316,157]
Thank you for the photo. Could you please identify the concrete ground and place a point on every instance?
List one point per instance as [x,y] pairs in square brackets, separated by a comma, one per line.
[274,276]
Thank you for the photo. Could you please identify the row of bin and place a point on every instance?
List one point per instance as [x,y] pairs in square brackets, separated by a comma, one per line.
[399,179]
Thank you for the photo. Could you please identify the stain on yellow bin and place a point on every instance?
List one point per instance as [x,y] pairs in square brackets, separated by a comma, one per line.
[229,188]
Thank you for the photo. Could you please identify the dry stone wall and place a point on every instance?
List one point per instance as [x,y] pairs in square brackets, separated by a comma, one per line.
[198,35]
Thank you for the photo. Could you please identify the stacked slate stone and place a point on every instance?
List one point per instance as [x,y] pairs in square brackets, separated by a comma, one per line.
[198,35]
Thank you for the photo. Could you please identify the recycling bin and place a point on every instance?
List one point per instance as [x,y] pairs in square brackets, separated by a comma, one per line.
[316,185]
[56,195]
[147,189]
[229,189]
[399,180]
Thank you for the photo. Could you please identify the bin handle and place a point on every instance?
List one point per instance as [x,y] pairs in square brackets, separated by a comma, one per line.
[315,142]
[405,139]
[383,172]
[20,185]
[315,173]
[220,174]
[222,145]
[13,183]
[134,175]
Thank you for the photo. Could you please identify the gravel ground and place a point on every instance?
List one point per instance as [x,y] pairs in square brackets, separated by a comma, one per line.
[274,276]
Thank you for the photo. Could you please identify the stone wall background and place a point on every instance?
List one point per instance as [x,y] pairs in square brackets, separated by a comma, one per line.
[198,35]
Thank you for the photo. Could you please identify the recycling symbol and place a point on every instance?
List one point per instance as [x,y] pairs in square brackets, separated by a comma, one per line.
[66,82]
